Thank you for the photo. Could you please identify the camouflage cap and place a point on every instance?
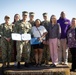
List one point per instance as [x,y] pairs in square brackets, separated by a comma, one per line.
[7,17]
[25,13]
[44,14]
[31,13]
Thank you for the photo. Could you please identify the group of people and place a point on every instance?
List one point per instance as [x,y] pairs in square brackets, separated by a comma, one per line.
[56,38]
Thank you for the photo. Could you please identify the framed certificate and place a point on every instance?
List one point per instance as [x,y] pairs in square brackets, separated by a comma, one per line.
[20,37]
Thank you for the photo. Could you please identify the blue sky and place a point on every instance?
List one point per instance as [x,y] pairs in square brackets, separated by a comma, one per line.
[11,7]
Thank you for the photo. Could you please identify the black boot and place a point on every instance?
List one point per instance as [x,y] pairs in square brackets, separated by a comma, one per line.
[72,70]
[26,64]
[4,65]
[18,65]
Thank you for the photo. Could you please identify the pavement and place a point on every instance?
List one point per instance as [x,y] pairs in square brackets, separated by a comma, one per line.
[12,67]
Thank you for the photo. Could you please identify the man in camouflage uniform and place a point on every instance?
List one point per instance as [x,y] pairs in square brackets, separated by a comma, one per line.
[23,27]
[6,43]
[32,22]
[0,42]
[46,55]
[31,17]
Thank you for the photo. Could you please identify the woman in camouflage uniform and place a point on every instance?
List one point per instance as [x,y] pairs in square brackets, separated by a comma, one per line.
[6,43]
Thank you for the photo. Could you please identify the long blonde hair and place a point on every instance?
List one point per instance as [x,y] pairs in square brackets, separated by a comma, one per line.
[55,19]
[72,25]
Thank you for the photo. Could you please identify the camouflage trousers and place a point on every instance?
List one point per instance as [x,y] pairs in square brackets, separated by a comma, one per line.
[46,54]
[0,41]
[32,57]
[23,47]
[6,48]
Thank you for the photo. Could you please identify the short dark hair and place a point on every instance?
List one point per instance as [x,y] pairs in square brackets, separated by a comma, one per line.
[37,20]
